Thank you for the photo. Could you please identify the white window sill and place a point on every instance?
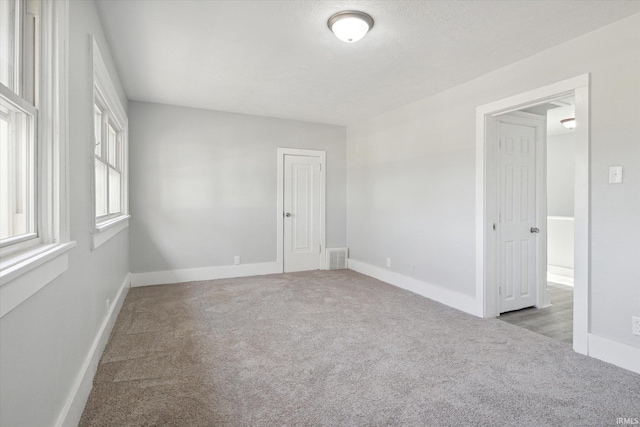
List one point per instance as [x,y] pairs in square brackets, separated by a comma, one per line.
[37,268]
[107,229]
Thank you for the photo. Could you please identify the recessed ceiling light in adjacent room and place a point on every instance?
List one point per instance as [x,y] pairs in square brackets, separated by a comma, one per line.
[569,123]
[350,25]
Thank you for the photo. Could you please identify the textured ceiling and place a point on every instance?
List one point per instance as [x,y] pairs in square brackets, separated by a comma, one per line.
[279,59]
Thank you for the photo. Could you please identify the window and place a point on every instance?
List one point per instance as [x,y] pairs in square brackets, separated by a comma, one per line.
[18,115]
[108,162]
[109,148]
[34,230]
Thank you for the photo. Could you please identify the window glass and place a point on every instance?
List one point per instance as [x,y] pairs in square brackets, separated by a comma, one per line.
[17,196]
[120,159]
[101,188]
[114,191]
[9,42]
[97,130]
[113,146]
[108,151]
[18,116]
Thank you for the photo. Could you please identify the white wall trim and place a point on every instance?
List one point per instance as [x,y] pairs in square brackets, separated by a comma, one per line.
[560,218]
[560,280]
[485,284]
[77,399]
[445,296]
[582,223]
[537,96]
[22,280]
[104,232]
[53,123]
[281,152]
[559,270]
[205,273]
[617,353]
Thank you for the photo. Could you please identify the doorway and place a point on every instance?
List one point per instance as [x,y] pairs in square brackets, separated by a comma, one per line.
[549,128]
[300,212]
[521,196]
[488,200]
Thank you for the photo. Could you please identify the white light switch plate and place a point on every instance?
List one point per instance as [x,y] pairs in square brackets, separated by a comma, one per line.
[615,175]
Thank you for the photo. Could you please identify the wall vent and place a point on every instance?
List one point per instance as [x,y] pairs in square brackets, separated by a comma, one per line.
[337,258]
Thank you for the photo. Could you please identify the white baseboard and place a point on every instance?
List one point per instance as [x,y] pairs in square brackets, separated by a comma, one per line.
[560,275]
[74,406]
[560,271]
[454,299]
[206,273]
[560,280]
[614,352]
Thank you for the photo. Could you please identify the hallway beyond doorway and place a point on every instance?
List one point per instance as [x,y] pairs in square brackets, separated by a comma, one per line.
[554,322]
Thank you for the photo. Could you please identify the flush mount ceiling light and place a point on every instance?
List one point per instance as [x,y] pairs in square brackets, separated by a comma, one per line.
[350,25]
[569,123]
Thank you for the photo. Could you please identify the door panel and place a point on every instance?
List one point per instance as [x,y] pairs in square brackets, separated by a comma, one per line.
[302,206]
[517,245]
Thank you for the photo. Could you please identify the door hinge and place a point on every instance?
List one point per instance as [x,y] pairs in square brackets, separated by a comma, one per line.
[499,290]
[320,167]
[319,249]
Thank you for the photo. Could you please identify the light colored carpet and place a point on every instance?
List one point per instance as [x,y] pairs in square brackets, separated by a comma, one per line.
[338,348]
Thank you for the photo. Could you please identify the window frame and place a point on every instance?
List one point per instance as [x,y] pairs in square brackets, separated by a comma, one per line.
[108,126]
[30,237]
[21,96]
[105,98]
[28,266]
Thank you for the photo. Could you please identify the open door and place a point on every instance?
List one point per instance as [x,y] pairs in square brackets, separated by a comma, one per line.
[521,227]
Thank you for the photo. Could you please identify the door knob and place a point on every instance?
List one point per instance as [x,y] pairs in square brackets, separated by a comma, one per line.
[535,230]
[287,214]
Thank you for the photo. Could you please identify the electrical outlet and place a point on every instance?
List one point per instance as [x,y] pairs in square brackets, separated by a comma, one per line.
[388,262]
[636,325]
[236,260]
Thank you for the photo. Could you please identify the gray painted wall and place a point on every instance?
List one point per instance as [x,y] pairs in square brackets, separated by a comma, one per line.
[410,191]
[411,175]
[203,185]
[560,174]
[46,339]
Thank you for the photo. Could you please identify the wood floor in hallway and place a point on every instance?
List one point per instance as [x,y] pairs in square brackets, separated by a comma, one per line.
[554,322]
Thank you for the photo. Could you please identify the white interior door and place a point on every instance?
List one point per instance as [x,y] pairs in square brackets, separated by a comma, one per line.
[520,188]
[302,213]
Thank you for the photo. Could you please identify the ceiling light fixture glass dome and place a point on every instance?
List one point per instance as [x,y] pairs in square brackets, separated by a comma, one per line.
[350,25]
[569,123]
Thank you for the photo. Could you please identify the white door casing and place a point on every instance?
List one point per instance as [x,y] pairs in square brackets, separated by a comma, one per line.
[521,224]
[486,205]
[301,209]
